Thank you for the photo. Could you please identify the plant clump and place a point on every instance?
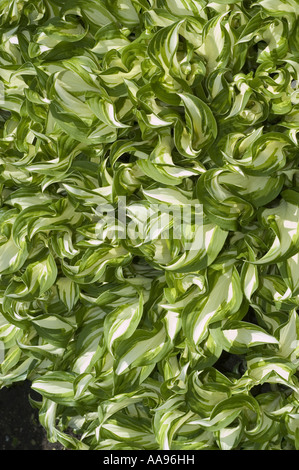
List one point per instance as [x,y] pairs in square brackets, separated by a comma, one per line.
[140,327]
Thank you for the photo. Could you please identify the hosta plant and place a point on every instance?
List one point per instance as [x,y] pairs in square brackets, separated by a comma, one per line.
[149,237]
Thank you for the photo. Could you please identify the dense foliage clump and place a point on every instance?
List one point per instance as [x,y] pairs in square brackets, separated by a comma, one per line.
[135,339]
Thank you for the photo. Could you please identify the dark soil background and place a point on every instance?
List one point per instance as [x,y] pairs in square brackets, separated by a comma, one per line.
[19,425]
